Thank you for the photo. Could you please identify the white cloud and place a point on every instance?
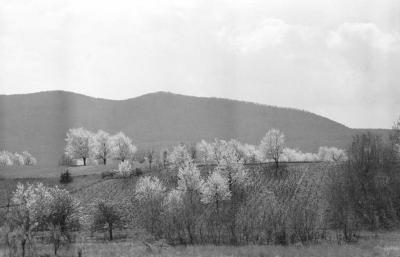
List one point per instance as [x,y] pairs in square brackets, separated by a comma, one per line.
[270,32]
[350,35]
[311,54]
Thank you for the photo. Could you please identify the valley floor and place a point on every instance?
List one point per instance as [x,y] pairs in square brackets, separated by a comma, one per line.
[386,244]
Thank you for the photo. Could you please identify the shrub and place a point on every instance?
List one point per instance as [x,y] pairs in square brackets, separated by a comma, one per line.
[257,219]
[149,188]
[124,169]
[365,191]
[66,177]
[107,174]
[138,172]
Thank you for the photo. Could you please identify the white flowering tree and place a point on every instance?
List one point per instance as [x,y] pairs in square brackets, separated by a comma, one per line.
[29,160]
[215,189]
[204,152]
[122,147]
[272,145]
[250,153]
[5,159]
[149,192]
[189,178]
[331,154]
[294,155]
[39,206]
[18,159]
[178,157]
[238,150]
[64,215]
[224,153]
[78,144]
[124,169]
[173,212]
[27,212]
[187,197]
[173,202]
[101,146]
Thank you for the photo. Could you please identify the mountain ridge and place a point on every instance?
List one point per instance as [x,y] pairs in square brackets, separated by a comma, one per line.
[174,94]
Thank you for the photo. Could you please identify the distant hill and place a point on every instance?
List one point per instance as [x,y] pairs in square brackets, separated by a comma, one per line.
[38,122]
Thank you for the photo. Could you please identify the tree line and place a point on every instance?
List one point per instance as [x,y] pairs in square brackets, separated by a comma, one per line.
[16,159]
[84,144]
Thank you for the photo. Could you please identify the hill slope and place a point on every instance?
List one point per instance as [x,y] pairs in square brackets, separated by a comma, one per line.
[38,122]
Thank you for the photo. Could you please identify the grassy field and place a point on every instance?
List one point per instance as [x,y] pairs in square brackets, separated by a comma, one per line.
[51,171]
[385,245]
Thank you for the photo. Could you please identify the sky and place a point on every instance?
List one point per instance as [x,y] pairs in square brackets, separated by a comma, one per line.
[336,58]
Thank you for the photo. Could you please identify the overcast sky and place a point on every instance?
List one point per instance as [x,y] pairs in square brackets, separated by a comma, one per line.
[337,58]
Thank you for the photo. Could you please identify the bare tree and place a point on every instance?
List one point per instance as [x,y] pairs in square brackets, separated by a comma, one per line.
[164,157]
[150,157]
[395,138]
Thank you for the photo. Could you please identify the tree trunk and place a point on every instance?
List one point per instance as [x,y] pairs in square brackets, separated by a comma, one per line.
[84,161]
[56,245]
[23,242]
[105,161]
[110,228]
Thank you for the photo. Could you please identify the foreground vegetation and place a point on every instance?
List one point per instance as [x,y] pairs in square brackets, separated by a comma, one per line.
[370,245]
[229,199]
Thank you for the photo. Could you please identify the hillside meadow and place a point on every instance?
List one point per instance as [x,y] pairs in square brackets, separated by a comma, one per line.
[371,245]
[88,186]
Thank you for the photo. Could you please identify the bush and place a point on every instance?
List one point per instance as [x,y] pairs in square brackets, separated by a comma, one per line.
[107,174]
[124,170]
[364,192]
[66,177]
[138,172]
[233,206]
